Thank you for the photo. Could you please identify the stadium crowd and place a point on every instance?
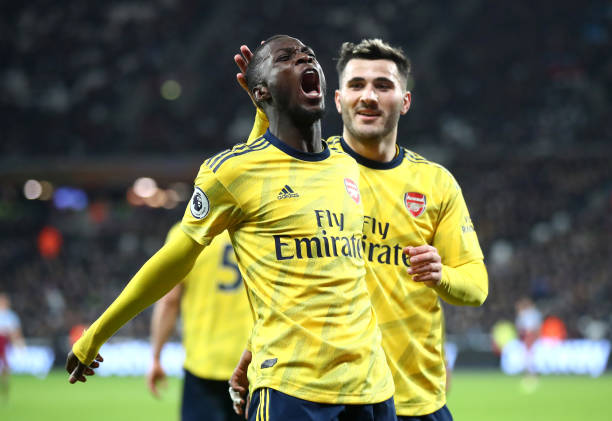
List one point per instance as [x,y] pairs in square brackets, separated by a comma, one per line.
[513,99]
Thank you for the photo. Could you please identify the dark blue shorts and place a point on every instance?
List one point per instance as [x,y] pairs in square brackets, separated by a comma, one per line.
[271,405]
[442,414]
[205,399]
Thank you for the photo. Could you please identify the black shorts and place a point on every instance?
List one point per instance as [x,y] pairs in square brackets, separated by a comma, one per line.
[271,405]
[205,399]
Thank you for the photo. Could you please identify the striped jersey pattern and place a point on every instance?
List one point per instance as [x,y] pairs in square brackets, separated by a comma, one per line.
[411,201]
[295,220]
[215,313]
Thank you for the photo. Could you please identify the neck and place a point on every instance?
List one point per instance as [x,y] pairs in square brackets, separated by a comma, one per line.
[380,150]
[303,137]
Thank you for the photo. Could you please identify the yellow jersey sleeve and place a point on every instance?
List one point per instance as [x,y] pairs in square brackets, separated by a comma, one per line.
[464,276]
[466,284]
[215,313]
[455,238]
[212,208]
[157,276]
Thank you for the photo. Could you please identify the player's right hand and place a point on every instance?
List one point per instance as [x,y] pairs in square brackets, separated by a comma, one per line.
[78,370]
[155,375]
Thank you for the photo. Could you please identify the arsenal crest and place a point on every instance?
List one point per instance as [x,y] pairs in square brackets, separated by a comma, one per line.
[352,189]
[415,203]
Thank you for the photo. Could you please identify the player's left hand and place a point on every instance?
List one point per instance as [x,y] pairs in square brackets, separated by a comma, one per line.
[242,60]
[239,385]
[425,264]
[78,370]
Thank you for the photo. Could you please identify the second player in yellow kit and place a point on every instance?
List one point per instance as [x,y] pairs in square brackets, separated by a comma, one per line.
[411,201]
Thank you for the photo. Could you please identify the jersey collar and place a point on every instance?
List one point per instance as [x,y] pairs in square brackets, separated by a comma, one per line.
[304,156]
[376,165]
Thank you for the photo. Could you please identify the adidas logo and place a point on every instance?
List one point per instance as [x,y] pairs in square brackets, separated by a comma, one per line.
[286,193]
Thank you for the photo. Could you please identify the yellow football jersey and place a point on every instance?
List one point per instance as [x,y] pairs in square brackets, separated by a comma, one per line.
[295,220]
[215,313]
[410,202]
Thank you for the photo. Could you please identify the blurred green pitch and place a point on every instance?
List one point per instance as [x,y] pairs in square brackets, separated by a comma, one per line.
[474,396]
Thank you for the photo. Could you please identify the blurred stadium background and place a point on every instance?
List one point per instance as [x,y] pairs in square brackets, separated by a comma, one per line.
[107,110]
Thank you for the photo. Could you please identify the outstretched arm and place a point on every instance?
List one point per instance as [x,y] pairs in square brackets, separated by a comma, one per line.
[163,320]
[156,277]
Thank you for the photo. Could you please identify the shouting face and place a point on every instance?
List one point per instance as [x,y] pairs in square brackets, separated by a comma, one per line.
[293,79]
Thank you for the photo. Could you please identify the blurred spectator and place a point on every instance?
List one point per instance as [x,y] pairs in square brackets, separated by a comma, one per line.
[10,333]
[553,329]
[502,333]
[528,321]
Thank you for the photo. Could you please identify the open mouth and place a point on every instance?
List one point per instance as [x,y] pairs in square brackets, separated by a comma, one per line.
[310,84]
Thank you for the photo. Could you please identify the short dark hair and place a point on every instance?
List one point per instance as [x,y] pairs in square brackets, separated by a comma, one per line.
[373,49]
[253,73]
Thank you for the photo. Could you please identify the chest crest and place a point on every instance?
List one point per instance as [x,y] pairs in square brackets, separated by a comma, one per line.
[415,203]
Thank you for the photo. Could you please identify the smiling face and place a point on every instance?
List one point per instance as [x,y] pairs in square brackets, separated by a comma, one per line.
[292,79]
[371,99]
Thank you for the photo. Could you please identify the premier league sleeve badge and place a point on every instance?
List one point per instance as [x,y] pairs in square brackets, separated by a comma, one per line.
[200,204]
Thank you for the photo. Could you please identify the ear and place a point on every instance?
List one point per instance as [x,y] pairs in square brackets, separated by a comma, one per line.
[407,100]
[261,93]
[337,101]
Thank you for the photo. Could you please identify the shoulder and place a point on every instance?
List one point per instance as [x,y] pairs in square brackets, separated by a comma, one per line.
[337,152]
[237,155]
[422,164]
[334,143]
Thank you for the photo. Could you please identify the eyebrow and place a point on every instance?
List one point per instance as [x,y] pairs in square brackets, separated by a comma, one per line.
[378,79]
[291,50]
